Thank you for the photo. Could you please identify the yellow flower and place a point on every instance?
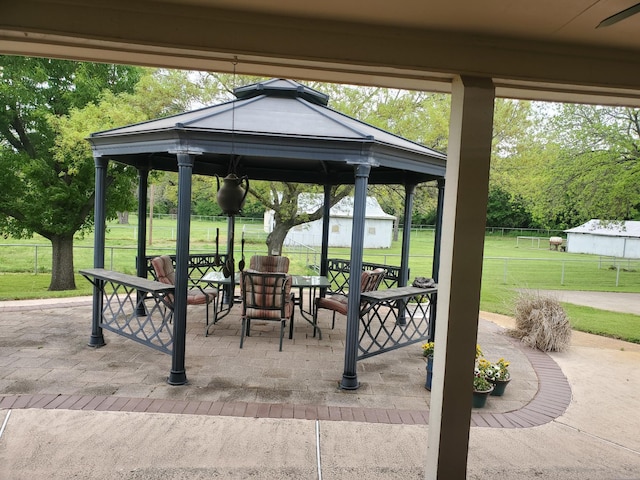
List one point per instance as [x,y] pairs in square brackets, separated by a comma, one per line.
[427,349]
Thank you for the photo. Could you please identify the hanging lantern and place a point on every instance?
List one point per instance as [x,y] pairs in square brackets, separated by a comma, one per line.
[231,195]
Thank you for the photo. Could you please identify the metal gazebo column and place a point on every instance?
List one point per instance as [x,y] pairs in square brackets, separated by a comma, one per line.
[230,262]
[349,376]
[436,259]
[100,221]
[326,218]
[143,183]
[178,374]
[141,267]
[410,191]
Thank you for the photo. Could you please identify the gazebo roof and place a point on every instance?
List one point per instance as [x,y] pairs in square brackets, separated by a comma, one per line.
[273,130]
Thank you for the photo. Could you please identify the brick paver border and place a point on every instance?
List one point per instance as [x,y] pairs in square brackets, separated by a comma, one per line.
[551,401]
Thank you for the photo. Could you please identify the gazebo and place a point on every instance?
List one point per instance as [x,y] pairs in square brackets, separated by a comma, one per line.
[273,130]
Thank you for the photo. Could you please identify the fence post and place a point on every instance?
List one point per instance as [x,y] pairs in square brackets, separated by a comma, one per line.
[36,262]
[618,275]
[562,278]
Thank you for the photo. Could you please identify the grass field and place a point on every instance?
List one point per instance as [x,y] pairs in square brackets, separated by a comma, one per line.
[510,264]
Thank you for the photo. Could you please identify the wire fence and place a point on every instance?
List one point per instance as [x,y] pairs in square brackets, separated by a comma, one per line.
[594,272]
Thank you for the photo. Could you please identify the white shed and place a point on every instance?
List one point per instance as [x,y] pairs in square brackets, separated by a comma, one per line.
[378,232]
[609,238]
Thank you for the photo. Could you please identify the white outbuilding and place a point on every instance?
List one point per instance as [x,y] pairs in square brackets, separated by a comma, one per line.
[378,232]
[608,238]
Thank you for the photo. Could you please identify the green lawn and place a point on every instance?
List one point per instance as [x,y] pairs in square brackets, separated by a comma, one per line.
[509,264]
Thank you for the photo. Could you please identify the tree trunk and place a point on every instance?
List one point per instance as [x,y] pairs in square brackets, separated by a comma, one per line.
[62,271]
[396,229]
[123,218]
[275,239]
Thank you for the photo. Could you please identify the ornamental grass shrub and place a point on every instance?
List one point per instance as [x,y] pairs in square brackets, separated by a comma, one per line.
[541,322]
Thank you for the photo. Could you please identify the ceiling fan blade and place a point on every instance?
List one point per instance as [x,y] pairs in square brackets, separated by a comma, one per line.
[620,16]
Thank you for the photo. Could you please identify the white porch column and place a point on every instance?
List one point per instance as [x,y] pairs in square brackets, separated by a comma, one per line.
[463,229]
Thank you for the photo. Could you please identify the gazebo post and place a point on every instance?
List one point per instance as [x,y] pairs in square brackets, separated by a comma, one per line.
[178,375]
[231,232]
[326,219]
[435,268]
[410,191]
[100,220]
[141,267]
[350,376]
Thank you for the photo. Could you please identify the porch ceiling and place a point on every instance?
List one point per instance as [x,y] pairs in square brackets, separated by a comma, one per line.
[547,50]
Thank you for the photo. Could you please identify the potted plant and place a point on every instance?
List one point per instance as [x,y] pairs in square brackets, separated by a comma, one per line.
[496,373]
[427,351]
[482,388]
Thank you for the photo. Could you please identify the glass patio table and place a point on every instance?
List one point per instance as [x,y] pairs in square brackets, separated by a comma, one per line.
[311,283]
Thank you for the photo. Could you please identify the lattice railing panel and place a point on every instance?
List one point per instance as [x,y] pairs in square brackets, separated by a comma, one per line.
[140,316]
[393,324]
[338,272]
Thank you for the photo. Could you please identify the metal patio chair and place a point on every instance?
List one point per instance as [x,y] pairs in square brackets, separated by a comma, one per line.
[266,296]
[369,280]
[165,272]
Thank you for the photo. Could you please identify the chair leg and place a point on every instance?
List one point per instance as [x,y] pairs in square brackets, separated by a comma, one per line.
[214,304]
[282,322]
[242,332]
[291,326]
[333,322]
[315,319]
[206,316]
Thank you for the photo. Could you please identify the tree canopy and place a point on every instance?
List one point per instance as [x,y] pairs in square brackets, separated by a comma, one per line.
[46,187]
[49,107]
[553,166]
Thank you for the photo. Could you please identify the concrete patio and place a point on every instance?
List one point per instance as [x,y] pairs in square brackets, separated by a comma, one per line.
[108,413]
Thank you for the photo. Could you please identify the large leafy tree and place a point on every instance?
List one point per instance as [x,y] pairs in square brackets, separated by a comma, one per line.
[42,191]
[49,183]
[282,198]
[591,166]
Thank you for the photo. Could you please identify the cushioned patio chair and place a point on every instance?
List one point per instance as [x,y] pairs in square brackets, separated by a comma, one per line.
[266,296]
[163,266]
[369,280]
[269,263]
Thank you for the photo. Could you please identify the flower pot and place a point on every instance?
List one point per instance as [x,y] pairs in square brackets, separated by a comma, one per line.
[480,398]
[499,387]
[427,384]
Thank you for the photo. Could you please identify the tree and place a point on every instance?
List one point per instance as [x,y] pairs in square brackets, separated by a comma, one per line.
[591,169]
[50,107]
[41,190]
[282,198]
[506,210]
